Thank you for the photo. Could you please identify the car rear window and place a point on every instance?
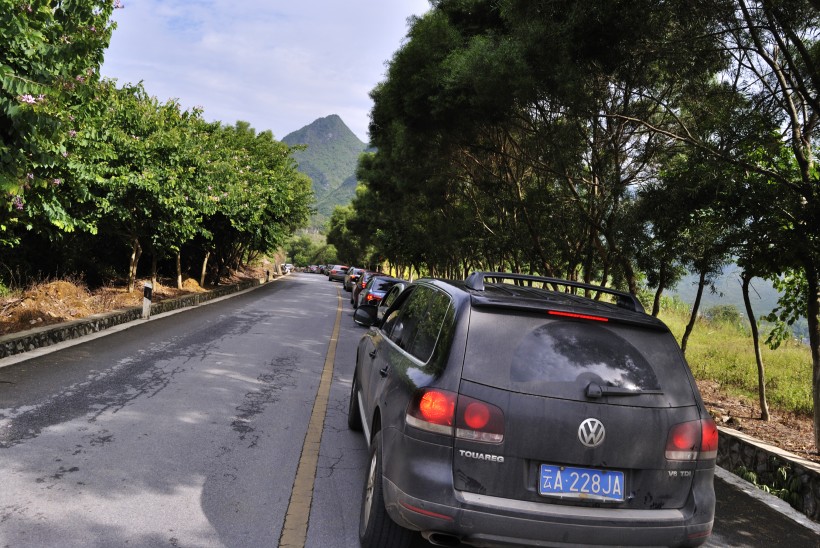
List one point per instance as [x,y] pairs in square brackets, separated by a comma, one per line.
[559,358]
[383,285]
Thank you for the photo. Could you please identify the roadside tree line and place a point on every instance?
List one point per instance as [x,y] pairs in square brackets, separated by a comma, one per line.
[95,175]
[622,143]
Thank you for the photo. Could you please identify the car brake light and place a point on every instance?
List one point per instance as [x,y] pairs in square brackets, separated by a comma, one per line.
[364,283]
[577,316]
[479,421]
[432,410]
[444,412]
[372,298]
[692,440]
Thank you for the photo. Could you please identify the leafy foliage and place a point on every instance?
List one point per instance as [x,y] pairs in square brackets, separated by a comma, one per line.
[615,142]
[48,64]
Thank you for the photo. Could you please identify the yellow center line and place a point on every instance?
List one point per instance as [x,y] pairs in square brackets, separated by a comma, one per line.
[294,531]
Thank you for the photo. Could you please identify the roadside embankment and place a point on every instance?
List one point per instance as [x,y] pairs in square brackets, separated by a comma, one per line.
[41,337]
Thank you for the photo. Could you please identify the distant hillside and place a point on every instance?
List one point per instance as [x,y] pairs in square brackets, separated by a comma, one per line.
[763,295]
[330,160]
[728,292]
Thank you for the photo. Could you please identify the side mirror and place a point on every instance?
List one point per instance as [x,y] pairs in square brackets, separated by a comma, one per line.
[365,315]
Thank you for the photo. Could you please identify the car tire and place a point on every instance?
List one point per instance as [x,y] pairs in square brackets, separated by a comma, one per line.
[354,415]
[376,528]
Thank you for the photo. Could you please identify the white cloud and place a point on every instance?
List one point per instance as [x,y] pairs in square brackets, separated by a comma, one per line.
[278,65]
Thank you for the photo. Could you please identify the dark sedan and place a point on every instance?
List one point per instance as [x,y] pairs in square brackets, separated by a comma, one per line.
[352,276]
[375,289]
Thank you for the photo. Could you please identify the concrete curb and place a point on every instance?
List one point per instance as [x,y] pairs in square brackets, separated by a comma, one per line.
[768,499]
[738,450]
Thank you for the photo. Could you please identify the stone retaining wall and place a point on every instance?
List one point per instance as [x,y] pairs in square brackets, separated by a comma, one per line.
[774,467]
[40,337]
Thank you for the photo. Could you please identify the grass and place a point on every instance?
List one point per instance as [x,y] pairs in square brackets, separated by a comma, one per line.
[721,351]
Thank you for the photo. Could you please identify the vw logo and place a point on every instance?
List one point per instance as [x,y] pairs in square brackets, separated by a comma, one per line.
[591,433]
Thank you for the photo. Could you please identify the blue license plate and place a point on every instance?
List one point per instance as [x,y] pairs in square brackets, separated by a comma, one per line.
[581,483]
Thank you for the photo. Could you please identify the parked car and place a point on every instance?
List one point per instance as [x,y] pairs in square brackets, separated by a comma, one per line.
[360,285]
[514,414]
[337,273]
[387,301]
[389,298]
[375,289]
[351,277]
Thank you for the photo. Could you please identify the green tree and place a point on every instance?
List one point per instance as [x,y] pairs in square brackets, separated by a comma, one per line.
[51,54]
[260,198]
[348,247]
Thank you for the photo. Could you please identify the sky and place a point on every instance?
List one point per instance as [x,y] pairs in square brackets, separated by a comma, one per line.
[278,64]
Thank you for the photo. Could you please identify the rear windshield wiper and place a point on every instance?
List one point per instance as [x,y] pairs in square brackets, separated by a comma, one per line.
[597,391]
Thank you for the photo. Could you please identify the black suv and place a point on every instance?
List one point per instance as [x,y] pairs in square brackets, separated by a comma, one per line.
[501,411]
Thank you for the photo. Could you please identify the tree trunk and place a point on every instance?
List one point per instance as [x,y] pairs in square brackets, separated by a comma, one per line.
[154,270]
[662,281]
[761,377]
[656,303]
[179,270]
[204,269]
[691,325]
[814,344]
[136,252]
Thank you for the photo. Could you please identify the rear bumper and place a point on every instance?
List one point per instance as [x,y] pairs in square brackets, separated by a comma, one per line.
[420,496]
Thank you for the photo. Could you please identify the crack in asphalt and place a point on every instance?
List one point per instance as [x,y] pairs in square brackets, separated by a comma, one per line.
[256,401]
[116,387]
[107,391]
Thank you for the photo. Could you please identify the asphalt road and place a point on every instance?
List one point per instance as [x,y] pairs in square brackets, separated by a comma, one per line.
[218,426]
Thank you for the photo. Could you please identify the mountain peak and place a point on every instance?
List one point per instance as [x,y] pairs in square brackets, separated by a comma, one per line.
[330,160]
[324,130]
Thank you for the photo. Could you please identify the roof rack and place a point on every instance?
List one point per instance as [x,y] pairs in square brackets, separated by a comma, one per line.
[623,300]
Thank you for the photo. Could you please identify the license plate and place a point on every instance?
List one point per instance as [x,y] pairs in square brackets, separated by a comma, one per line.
[581,483]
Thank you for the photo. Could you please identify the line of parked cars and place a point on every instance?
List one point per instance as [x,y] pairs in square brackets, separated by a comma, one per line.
[513,410]
[365,286]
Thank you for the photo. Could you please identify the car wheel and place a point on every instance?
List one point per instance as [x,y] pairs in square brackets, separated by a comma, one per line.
[354,415]
[376,529]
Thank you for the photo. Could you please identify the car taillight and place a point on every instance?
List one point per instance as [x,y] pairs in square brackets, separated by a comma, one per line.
[371,298]
[479,421]
[364,283]
[709,445]
[432,410]
[444,412]
[692,440]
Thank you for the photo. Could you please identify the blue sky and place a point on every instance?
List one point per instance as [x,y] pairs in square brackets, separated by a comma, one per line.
[278,64]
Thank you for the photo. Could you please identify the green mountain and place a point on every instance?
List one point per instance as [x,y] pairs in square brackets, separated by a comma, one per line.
[330,161]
